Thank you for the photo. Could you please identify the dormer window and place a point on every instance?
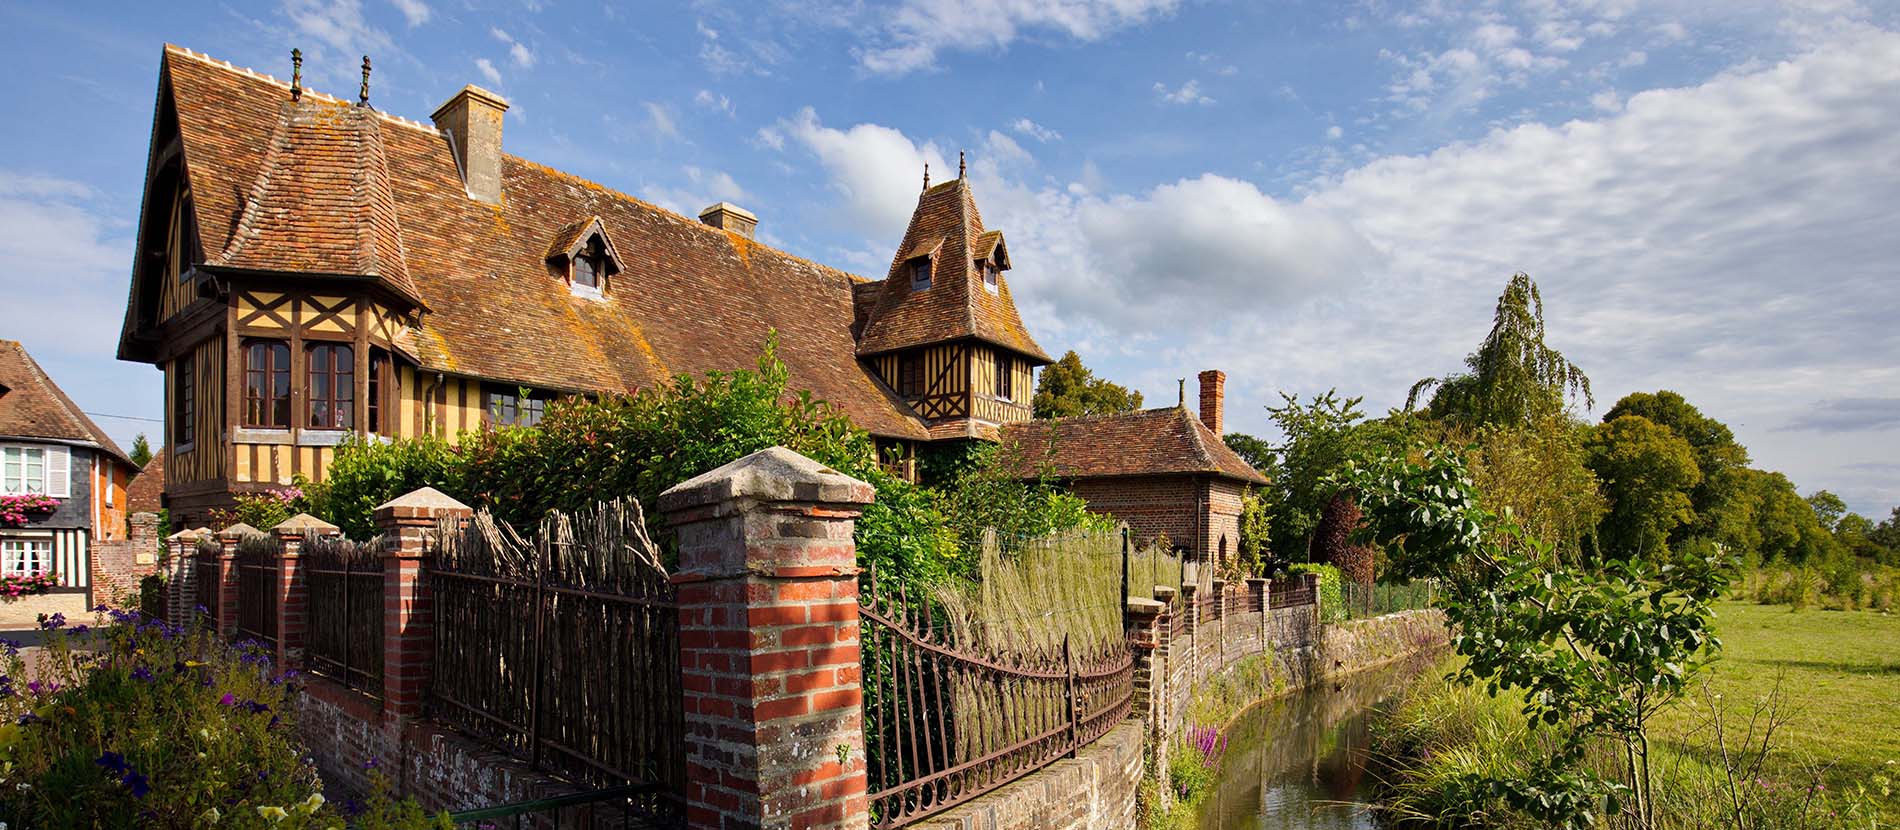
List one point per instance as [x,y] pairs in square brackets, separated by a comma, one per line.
[989,276]
[590,264]
[583,253]
[920,274]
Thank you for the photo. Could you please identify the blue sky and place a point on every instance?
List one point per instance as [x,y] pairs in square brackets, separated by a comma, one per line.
[1307,195]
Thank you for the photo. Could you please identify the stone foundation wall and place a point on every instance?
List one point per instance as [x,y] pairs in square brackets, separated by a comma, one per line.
[1360,644]
[24,612]
[1095,789]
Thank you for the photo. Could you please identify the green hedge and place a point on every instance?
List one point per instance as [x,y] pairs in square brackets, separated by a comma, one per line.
[1332,605]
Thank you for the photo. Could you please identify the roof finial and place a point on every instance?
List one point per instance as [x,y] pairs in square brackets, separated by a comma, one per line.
[296,75]
[362,96]
[959,164]
[1181,396]
[926,175]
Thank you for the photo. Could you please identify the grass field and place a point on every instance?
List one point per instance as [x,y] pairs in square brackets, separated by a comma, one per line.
[1840,671]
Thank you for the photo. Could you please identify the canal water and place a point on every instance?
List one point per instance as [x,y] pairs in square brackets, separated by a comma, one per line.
[1298,762]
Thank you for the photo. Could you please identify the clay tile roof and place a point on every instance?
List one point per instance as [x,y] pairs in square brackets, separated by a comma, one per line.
[946,226]
[986,245]
[323,202]
[689,299]
[142,495]
[32,406]
[1148,442]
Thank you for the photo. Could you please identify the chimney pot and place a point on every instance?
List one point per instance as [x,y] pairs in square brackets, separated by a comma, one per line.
[1213,395]
[472,120]
[731,217]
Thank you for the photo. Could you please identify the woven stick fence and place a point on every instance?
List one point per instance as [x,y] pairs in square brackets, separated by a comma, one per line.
[206,583]
[344,636]
[563,649]
[259,564]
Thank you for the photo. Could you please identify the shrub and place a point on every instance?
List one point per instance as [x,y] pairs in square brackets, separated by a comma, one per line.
[263,510]
[1332,604]
[27,585]
[142,724]
[369,472]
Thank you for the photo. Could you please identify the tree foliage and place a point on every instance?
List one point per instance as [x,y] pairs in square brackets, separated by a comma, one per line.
[1597,652]
[1256,532]
[1319,438]
[1538,473]
[1828,509]
[1720,502]
[1255,451]
[1513,378]
[1647,473]
[1333,541]
[141,450]
[1067,388]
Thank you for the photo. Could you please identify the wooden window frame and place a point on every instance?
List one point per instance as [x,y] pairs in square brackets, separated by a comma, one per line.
[910,375]
[992,278]
[376,400]
[920,274]
[1005,385]
[185,401]
[20,545]
[259,412]
[522,411]
[594,253]
[340,379]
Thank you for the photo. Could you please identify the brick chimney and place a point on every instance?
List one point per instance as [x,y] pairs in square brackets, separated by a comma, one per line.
[472,121]
[1213,392]
[731,217]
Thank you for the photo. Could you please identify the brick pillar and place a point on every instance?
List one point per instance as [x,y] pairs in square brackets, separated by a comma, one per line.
[143,537]
[181,596]
[293,606]
[1257,593]
[768,600]
[1147,630]
[225,587]
[407,524]
[1188,647]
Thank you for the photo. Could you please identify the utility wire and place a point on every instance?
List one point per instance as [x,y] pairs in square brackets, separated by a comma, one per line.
[126,417]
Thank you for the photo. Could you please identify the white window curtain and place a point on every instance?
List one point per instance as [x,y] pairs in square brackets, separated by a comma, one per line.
[25,557]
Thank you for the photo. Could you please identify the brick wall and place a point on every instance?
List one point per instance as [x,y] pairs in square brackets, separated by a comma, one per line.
[117,566]
[1198,512]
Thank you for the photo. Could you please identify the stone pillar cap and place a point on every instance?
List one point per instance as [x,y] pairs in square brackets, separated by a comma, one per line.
[1164,592]
[183,535]
[775,474]
[1138,605]
[239,531]
[427,498]
[303,523]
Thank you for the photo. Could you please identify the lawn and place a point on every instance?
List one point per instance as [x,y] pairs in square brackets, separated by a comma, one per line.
[1840,671]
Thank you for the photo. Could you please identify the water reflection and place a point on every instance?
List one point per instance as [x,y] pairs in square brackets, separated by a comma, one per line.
[1299,762]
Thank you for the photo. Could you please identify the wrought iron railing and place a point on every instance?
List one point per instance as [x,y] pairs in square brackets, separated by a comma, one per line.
[563,650]
[343,581]
[1363,600]
[944,724]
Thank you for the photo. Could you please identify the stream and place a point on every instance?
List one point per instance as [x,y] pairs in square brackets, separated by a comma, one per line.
[1298,762]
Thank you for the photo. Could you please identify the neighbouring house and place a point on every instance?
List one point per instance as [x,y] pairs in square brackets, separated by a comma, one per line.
[1159,470]
[49,448]
[311,268]
[147,491]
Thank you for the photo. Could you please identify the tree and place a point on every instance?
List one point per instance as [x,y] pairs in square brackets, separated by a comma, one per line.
[1256,530]
[1067,388]
[1828,509]
[1255,451]
[1789,529]
[1333,539]
[1513,378]
[1319,439]
[141,450]
[1597,652]
[1887,536]
[1722,507]
[1647,474]
[1539,473]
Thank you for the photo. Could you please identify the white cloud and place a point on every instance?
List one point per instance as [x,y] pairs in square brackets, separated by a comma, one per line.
[660,120]
[1607,101]
[1036,131]
[1004,151]
[1671,32]
[488,70]
[911,36]
[414,11]
[874,169]
[1335,132]
[1633,59]
[518,51]
[707,99]
[1188,93]
[337,25]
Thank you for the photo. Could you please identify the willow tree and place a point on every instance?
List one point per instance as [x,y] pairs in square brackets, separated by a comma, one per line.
[1513,379]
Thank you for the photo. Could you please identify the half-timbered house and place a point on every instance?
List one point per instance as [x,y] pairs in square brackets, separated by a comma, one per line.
[311,268]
